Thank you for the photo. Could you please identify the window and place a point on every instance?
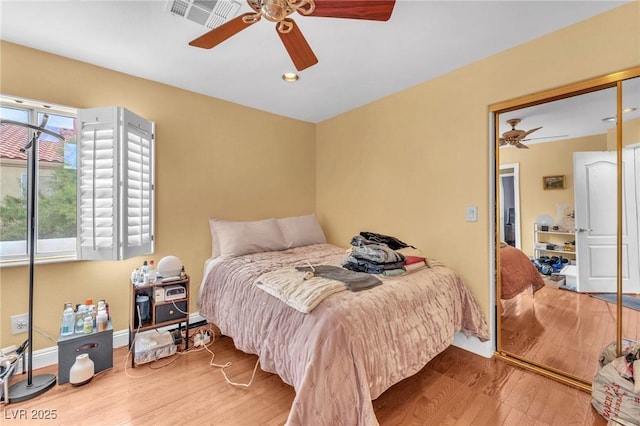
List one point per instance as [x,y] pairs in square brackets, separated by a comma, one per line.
[95,198]
[56,174]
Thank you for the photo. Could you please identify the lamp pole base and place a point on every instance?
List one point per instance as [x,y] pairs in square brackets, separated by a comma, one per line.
[22,390]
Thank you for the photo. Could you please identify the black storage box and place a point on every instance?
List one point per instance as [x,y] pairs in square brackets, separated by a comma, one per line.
[98,345]
[169,312]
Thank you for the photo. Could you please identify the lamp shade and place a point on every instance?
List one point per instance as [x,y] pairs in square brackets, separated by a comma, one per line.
[169,266]
[81,371]
[544,219]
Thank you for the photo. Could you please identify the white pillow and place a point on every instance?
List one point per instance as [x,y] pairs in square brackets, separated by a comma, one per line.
[301,231]
[231,239]
[215,247]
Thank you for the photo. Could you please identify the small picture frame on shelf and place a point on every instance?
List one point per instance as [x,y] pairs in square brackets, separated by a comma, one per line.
[553,182]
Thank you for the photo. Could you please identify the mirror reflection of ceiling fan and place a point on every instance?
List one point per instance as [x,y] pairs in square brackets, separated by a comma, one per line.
[278,11]
[515,137]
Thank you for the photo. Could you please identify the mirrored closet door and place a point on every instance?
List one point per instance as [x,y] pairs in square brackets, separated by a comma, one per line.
[630,146]
[567,196]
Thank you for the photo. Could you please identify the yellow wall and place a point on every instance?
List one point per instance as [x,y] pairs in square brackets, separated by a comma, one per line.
[213,158]
[545,159]
[408,164]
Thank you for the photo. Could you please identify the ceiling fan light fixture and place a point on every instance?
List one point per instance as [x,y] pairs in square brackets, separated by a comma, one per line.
[275,10]
[290,77]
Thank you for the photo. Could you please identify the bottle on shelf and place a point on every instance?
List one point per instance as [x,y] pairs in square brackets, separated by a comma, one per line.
[68,320]
[152,271]
[101,319]
[183,274]
[136,276]
[87,316]
[81,313]
[87,325]
[144,271]
[91,311]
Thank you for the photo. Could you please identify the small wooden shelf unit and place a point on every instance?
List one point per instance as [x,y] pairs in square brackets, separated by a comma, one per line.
[162,313]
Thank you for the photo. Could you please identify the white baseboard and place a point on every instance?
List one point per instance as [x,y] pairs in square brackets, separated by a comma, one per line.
[473,344]
[49,356]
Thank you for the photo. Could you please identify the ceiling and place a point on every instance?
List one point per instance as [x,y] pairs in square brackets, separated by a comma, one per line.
[359,61]
[574,117]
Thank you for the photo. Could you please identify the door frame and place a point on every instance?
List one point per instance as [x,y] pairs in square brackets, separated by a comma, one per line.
[516,198]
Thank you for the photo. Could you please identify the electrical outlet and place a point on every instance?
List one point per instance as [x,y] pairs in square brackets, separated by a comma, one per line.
[19,323]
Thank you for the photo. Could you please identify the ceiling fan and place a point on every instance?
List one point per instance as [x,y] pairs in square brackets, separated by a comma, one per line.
[278,11]
[514,136]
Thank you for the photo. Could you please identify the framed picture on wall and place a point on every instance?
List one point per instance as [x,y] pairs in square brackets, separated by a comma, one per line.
[553,182]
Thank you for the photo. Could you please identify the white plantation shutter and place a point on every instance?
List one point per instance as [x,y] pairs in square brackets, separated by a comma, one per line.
[116,188]
[137,186]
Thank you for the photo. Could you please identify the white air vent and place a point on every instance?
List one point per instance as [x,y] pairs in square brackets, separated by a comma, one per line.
[210,13]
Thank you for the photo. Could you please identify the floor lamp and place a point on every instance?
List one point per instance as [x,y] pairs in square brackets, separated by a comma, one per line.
[32,386]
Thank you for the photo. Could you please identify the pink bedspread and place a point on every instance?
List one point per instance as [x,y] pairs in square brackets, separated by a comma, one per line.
[352,346]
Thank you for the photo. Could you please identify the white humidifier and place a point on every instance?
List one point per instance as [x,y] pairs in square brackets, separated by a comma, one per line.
[81,371]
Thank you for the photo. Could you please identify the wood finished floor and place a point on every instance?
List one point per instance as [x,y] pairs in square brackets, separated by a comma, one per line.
[455,388]
[563,329]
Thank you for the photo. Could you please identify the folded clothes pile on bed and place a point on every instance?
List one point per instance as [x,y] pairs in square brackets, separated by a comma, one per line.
[381,254]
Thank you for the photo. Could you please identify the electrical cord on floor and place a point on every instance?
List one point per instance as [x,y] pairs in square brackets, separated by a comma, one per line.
[209,331]
[228,364]
[192,349]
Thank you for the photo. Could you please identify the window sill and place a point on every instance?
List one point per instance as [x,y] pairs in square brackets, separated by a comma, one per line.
[38,261]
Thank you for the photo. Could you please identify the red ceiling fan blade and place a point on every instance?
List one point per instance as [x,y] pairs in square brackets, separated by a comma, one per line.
[371,10]
[221,33]
[297,46]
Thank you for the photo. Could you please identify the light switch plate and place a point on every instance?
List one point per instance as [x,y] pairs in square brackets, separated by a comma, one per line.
[472,214]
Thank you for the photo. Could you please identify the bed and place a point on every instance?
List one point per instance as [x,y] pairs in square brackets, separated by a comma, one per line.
[517,273]
[353,345]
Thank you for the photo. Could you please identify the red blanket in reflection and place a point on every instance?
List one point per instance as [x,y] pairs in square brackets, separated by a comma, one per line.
[517,272]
